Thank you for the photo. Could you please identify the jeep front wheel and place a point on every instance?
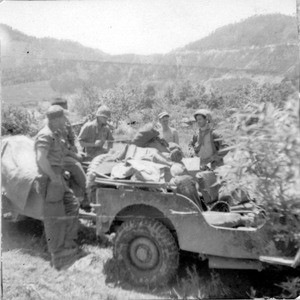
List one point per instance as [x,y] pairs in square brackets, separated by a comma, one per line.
[148,252]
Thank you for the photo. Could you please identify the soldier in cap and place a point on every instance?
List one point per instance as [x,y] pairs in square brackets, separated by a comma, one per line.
[72,159]
[60,207]
[166,132]
[69,135]
[94,134]
[207,144]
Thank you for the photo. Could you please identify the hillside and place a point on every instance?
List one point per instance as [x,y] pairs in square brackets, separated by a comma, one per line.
[259,49]
[23,50]
[256,31]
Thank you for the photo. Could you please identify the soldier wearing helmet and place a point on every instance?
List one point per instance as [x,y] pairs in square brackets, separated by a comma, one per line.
[206,144]
[94,134]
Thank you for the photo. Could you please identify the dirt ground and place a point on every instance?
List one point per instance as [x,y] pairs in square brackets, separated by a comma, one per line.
[27,274]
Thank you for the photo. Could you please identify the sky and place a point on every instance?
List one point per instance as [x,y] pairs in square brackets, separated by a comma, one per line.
[133,26]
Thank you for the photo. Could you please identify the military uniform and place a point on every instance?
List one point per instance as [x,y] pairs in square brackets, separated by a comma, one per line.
[60,207]
[92,131]
[207,144]
[70,163]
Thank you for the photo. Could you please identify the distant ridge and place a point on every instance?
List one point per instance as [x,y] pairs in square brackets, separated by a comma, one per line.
[260,49]
[256,31]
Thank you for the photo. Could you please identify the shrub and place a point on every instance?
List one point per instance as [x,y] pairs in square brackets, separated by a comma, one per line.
[18,120]
[265,164]
[86,101]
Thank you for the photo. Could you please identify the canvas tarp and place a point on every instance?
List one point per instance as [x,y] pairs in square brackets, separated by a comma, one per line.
[19,168]
[139,170]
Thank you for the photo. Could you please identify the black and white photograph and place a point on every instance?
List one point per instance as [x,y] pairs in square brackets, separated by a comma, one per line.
[150,149]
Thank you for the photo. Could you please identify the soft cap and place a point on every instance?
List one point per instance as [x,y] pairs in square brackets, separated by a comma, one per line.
[163,114]
[59,101]
[54,111]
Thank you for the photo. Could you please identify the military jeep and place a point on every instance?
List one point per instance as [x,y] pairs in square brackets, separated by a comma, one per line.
[152,223]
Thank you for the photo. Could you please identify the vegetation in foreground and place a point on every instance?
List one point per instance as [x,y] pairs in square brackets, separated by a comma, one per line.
[265,155]
[27,273]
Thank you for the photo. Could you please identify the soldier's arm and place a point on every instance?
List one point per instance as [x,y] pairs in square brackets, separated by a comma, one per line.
[71,134]
[176,137]
[84,132]
[220,145]
[191,145]
[161,159]
[110,140]
[43,163]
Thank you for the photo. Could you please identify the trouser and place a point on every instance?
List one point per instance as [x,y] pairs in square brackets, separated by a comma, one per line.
[77,173]
[60,216]
[71,207]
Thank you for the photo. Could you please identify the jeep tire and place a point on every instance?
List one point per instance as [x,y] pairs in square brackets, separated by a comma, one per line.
[147,251]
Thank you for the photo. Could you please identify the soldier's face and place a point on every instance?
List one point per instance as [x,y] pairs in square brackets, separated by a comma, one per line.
[164,120]
[201,120]
[102,120]
[61,122]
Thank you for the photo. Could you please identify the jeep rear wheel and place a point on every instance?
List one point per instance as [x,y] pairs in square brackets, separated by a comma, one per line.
[148,252]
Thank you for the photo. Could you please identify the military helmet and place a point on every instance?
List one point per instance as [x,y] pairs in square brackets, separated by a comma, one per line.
[103,111]
[204,112]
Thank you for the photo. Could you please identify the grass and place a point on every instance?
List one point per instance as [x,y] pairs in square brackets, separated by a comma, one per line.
[27,273]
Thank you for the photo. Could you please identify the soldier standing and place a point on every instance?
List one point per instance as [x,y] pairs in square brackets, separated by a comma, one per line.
[60,207]
[167,133]
[207,144]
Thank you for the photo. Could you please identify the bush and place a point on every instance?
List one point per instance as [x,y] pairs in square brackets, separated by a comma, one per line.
[18,120]
[86,101]
[265,164]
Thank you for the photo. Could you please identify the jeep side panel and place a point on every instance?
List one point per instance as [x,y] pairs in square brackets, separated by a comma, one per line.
[193,232]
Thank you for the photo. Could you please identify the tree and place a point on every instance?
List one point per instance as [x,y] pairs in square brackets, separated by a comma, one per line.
[122,101]
[86,101]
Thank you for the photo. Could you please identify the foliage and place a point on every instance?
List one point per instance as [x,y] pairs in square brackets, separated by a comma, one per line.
[192,286]
[122,101]
[86,101]
[265,164]
[18,120]
[291,288]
